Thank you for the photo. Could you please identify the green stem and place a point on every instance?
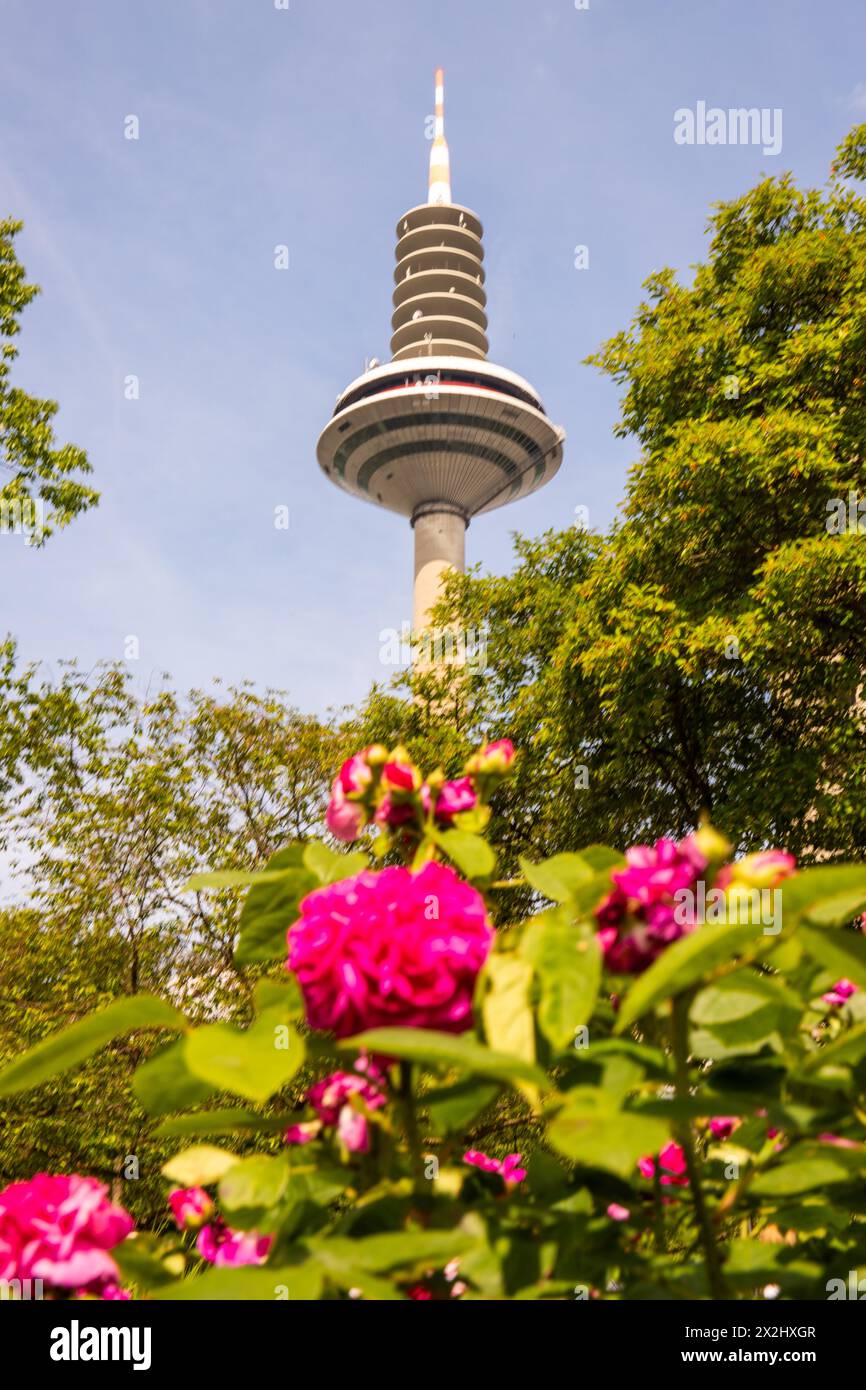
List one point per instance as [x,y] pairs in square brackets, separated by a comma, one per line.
[410,1122]
[680,1043]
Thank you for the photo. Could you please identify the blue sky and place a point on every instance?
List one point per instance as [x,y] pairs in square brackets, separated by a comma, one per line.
[305,127]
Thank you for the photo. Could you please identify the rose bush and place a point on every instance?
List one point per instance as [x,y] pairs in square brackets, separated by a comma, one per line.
[653,1086]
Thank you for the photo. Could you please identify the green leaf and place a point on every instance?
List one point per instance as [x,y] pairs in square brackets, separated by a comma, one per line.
[219,1122]
[397,1250]
[751,1263]
[445,1049]
[741,1013]
[845,1050]
[329,865]
[567,961]
[199,1166]
[472,855]
[254,1182]
[506,1009]
[301,1283]
[252,1063]
[593,1130]
[684,963]
[843,952]
[338,1268]
[453,1108]
[799,1175]
[558,878]
[141,1262]
[266,916]
[65,1049]
[281,996]
[271,906]
[602,859]
[827,895]
[165,1082]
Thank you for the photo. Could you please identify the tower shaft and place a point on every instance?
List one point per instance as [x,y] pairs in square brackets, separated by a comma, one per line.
[440,547]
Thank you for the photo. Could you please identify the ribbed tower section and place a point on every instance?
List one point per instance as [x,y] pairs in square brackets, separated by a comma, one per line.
[439,434]
[439,300]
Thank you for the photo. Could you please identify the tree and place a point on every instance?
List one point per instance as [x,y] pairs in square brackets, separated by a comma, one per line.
[707,655]
[43,489]
[116,801]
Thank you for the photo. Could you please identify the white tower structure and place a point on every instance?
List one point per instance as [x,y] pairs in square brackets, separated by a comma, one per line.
[439,434]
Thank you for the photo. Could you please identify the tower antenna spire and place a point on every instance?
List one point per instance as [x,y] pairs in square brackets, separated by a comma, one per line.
[440,166]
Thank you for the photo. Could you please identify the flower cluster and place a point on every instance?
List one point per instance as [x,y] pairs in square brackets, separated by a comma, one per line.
[216,1242]
[60,1229]
[839,994]
[509,1168]
[390,948]
[222,1246]
[191,1207]
[639,918]
[656,897]
[332,1101]
[671,1163]
[386,789]
[723,1126]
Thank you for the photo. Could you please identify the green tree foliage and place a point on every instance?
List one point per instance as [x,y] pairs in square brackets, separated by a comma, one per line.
[707,655]
[119,801]
[42,488]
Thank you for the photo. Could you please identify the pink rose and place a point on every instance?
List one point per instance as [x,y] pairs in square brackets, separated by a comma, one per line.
[673,1160]
[220,1245]
[353,1130]
[401,777]
[454,798]
[395,815]
[840,992]
[643,914]
[329,1097]
[476,1159]
[390,948]
[508,1169]
[345,819]
[356,775]
[60,1229]
[494,759]
[658,871]
[723,1126]
[191,1207]
[766,869]
[304,1133]
[511,1169]
[331,1101]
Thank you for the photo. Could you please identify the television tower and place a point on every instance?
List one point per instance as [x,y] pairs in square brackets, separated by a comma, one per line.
[439,434]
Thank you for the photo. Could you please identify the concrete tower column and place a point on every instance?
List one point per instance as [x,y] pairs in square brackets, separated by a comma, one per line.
[440,545]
